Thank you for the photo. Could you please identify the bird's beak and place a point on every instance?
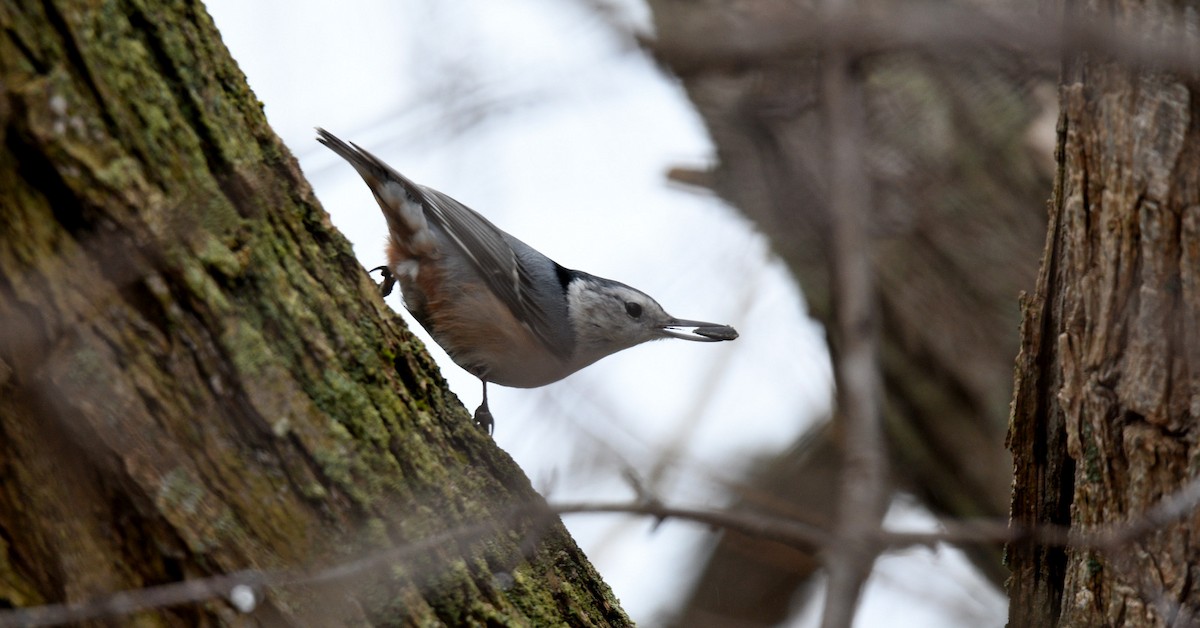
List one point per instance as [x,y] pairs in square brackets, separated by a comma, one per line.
[698,331]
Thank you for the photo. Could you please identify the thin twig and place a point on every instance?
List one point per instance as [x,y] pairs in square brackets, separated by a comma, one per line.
[123,603]
[864,491]
[763,526]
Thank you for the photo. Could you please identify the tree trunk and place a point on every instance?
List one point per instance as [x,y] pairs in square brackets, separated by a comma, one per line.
[1106,404]
[197,377]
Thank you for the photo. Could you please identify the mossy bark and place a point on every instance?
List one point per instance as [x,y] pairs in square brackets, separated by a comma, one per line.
[196,375]
[1105,414]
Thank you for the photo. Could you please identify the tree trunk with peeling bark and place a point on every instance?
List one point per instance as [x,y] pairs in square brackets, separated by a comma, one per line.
[1105,412]
[197,377]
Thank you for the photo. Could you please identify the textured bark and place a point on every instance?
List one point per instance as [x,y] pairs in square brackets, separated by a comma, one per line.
[1105,410]
[197,377]
[958,225]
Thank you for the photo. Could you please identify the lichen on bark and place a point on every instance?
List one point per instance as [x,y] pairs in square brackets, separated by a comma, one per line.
[197,377]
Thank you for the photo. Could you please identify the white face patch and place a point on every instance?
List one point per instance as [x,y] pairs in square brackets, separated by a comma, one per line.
[603,320]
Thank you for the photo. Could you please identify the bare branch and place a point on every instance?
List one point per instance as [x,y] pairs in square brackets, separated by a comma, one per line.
[769,527]
[128,602]
[769,36]
[124,603]
[864,478]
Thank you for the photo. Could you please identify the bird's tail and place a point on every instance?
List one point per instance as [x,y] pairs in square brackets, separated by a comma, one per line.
[402,201]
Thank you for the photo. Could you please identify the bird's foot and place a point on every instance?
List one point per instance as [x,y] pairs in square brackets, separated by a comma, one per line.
[389,280]
[484,418]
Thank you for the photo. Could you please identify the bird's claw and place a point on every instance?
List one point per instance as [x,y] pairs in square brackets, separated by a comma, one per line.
[389,280]
[484,419]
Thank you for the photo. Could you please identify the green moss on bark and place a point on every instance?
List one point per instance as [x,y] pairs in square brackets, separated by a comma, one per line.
[205,380]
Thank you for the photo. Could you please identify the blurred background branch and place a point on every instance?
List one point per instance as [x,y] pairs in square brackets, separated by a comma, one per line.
[954,158]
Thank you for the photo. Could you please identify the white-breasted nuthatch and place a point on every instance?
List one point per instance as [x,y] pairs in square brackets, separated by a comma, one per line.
[503,311]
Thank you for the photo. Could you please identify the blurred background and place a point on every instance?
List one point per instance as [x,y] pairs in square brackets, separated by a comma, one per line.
[593,131]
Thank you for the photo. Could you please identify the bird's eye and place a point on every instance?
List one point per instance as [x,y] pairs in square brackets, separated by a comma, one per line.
[633,309]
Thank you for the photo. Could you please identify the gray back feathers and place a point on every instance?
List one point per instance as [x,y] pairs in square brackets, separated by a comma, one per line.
[526,281]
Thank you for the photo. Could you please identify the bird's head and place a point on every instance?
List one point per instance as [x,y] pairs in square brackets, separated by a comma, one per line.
[608,316]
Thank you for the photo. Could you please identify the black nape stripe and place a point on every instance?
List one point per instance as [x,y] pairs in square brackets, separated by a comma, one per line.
[565,275]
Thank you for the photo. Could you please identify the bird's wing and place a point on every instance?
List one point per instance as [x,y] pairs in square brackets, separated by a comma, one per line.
[488,250]
[483,244]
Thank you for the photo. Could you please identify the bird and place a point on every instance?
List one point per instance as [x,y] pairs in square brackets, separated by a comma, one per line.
[504,312]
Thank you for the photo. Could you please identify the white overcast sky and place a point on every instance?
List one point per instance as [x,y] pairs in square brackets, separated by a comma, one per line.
[532,113]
